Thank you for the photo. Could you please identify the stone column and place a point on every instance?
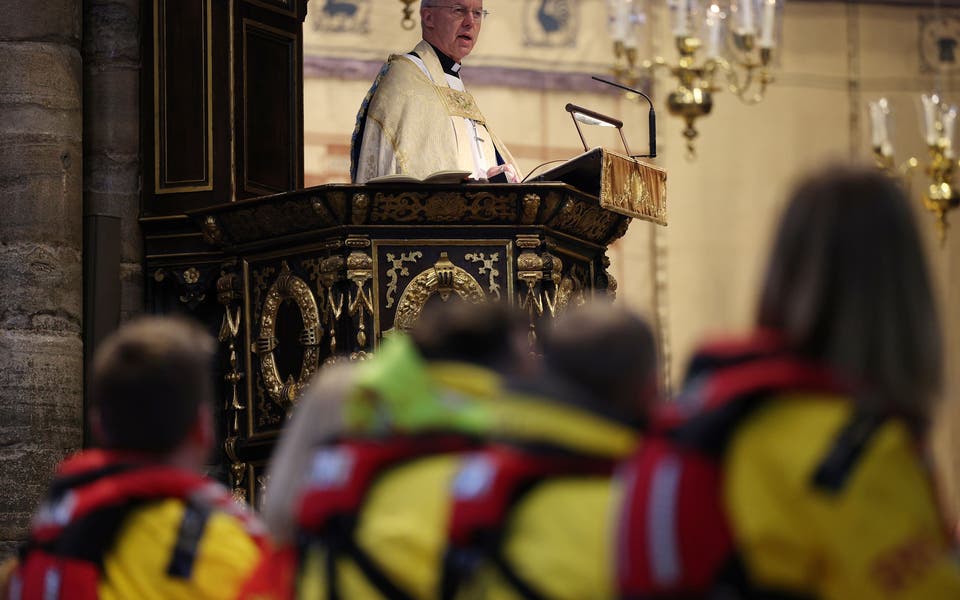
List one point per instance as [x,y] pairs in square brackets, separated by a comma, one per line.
[113,244]
[41,353]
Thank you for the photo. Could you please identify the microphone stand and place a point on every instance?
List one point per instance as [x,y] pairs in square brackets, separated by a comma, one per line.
[652,117]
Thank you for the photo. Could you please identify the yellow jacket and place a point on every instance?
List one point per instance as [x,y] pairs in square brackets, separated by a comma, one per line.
[403,524]
[879,536]
[136,566]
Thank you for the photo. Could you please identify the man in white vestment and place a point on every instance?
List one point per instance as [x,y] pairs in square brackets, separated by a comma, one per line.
[417,118]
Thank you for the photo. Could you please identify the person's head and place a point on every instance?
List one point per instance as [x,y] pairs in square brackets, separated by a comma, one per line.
[484,334]
[453,26]
[152,387]
[610,353]
[847,283]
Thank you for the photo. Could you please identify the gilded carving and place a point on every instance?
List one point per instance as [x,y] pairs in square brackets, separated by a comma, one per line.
[443,277]
[322,211]
[397,265]
[444,207]
[212,233]
[360,271]
[287,286]
[531,204]
[487,268]
[330,273]
[585,220]
[338,203]
[361,208]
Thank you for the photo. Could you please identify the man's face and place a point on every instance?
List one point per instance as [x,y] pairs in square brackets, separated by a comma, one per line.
[453,26]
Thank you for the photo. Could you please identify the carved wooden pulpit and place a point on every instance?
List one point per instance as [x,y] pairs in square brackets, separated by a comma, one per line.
[313,276]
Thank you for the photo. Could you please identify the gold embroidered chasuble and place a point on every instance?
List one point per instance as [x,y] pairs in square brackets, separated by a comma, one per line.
[416,124]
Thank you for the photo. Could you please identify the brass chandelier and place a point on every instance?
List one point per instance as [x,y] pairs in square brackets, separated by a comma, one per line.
[720,44]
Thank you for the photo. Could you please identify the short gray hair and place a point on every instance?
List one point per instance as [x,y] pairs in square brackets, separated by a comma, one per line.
[428,3]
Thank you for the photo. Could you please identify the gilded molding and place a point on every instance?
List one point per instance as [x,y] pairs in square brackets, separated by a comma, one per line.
[287,286]
[442,278]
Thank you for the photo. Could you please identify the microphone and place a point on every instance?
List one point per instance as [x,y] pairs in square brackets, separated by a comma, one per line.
[652,116]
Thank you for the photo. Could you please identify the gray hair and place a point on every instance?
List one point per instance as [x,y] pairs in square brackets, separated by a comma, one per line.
[428,3]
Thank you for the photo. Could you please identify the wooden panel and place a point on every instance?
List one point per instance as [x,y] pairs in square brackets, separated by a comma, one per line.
[271,113]
[183,124]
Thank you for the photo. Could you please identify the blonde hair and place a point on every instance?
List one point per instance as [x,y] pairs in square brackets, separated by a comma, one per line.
[316,419]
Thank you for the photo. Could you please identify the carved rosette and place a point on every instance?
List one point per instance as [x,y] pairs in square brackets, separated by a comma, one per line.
[288,286]
[443,278]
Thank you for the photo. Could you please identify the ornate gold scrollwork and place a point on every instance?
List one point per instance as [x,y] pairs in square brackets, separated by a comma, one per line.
[360,271]
[397,265]
[442,278]
[288,286]
[488,269]
[330,274]
[530,272]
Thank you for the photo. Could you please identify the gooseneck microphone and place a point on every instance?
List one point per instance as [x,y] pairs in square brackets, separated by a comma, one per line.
[652,116]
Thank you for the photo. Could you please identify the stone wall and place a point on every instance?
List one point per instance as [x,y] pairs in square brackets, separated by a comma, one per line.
[41,164]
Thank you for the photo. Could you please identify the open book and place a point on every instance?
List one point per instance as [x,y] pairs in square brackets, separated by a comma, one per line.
[438,177]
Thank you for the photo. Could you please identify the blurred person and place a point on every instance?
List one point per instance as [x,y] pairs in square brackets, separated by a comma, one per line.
[364,512]
[531,514]
[418,118]
[135,518]
[792,463]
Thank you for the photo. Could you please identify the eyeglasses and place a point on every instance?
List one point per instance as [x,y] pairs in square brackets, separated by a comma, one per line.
[460,12]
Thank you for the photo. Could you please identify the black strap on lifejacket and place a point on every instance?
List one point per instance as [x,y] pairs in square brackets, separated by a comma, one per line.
[189,534]
[848,447]
[460,562]
[338,534]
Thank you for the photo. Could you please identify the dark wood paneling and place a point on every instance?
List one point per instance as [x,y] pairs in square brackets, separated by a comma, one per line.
[271,91]
[182,90]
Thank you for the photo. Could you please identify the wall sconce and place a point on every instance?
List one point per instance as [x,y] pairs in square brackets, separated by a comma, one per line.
[407,22]
[938,126]
[737,40]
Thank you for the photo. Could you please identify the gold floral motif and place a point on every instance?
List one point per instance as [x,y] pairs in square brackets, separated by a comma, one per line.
[460,104]
[489,269]
[528,261]
[397,265]
[443,275]
[191,275]
[287,286]
[443,207]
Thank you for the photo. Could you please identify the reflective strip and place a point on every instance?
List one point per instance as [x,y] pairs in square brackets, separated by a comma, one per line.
[16,588]
[661,522]
[51,584]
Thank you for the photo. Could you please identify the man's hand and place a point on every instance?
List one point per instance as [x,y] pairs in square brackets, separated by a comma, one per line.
[508,171]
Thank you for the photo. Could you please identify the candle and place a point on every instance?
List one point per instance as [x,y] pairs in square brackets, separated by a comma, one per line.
[714,28]
[931,106]
[949,119]
[680,28]
[879,111]
[620,21]
[746,17]
[769,21]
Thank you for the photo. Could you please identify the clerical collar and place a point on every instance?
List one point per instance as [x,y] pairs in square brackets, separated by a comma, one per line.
[450,66]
